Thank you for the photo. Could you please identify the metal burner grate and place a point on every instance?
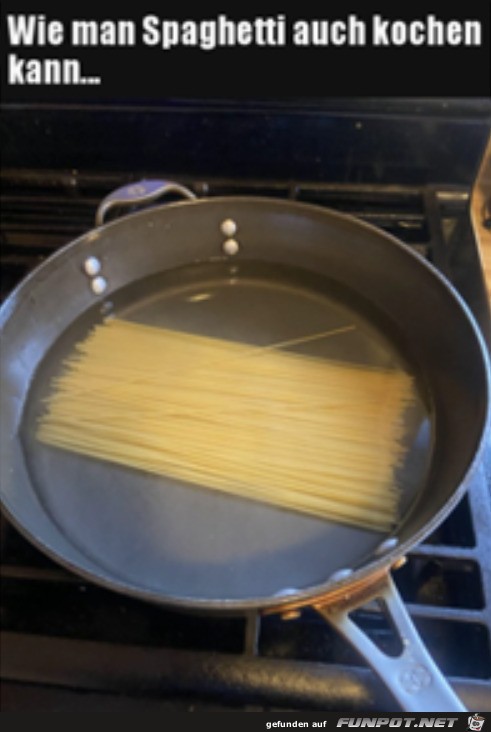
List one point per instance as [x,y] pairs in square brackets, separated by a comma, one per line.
[56,627]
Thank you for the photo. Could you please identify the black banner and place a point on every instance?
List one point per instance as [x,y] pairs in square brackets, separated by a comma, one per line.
[62,52]
[267,721]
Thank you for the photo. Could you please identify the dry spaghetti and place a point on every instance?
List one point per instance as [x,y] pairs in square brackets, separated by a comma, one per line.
[303,433]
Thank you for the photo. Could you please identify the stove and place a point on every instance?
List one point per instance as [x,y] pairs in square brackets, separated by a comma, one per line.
[68,644]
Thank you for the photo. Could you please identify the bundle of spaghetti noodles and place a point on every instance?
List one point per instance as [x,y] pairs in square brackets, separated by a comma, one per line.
[307,434]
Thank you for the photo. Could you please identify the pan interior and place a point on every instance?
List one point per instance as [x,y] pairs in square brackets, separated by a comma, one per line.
[161,536]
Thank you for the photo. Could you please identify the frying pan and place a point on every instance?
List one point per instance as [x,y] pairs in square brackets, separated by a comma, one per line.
[260,271]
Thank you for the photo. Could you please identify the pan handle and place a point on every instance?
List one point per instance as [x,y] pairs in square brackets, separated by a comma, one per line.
[141,192]
[412,677]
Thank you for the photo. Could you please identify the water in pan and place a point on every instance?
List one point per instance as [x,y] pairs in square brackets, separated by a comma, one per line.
[175,540]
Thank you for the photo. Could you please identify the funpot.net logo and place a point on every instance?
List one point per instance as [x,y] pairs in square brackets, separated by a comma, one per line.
[398,722]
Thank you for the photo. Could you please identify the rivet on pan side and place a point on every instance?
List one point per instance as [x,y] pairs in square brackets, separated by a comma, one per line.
[341,574]
[92,266]
[98,285]
[228,227]
[387,545]
[286,592]
[231,247]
